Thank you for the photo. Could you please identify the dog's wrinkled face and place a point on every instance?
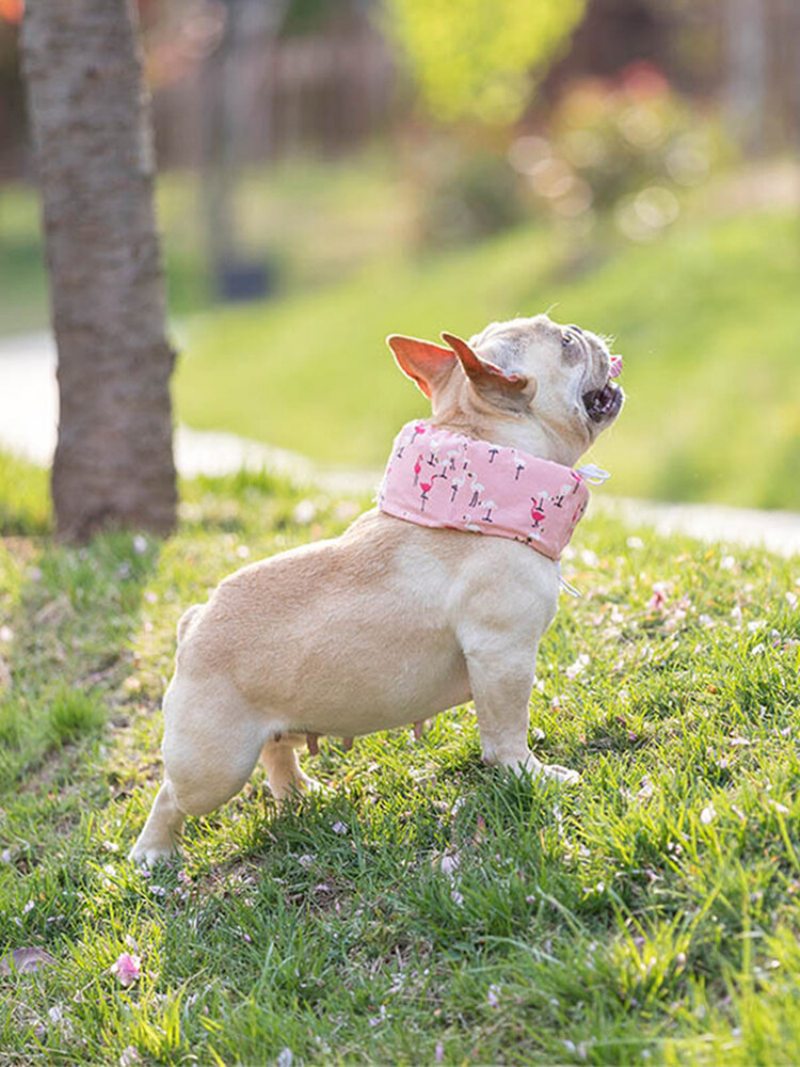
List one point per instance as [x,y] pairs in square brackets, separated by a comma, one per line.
[569,371]
[559,377]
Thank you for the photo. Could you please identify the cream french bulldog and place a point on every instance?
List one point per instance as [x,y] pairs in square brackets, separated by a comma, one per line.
[404,615]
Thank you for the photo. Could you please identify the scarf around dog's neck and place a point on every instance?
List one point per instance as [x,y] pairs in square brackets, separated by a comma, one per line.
[435,477]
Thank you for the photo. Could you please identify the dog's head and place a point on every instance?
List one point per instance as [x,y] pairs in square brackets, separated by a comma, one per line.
[527,378]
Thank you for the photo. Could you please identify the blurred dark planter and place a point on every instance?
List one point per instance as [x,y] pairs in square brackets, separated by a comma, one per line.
[239,281]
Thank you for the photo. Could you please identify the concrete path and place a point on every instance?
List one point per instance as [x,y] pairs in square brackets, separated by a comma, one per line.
[29,419]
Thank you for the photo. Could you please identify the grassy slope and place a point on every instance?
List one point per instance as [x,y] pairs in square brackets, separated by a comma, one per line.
[654,912]
[708,320]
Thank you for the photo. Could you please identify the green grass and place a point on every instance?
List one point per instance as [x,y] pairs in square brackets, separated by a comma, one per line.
[74,714]
[23,497]
[651,915]
[707,319]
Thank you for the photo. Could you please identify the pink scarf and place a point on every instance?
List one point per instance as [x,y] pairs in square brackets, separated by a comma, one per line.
[438,478]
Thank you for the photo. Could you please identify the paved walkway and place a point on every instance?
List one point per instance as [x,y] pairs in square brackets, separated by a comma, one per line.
[28,425]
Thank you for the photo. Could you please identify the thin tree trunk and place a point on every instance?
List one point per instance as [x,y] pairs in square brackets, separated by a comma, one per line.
[113,464]
[746,30]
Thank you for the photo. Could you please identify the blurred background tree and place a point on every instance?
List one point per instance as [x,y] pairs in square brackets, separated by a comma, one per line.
[479,61]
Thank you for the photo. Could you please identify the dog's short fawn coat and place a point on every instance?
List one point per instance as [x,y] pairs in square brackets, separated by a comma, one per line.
[391,622]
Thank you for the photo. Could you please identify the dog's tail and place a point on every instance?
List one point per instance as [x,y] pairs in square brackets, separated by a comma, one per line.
[188,620]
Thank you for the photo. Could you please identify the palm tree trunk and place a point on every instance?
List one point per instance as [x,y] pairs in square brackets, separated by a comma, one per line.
[113,464]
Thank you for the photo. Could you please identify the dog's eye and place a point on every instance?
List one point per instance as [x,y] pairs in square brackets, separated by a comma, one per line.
[566,340]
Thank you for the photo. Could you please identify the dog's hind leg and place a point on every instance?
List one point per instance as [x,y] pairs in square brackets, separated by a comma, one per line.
[210,750]
[158,839]
[284,773]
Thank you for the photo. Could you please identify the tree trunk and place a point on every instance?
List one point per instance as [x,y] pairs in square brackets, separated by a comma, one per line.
[89,113]
[746,28]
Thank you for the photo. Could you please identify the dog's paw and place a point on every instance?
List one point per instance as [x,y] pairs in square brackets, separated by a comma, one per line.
[295,788]
[554,772]
[148,855]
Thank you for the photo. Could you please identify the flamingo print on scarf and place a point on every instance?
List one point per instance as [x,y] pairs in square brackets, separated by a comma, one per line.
[490,489]
[538,514]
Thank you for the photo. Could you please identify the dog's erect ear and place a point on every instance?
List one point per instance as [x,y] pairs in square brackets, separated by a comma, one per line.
[424,362]
[486,376]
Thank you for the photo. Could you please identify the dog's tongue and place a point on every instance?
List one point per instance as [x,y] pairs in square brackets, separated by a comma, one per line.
[616,367]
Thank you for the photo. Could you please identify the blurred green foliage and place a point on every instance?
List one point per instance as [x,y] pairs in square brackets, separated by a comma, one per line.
[465,194]
[631,145]
[475,59]
[630,148]
[314,16]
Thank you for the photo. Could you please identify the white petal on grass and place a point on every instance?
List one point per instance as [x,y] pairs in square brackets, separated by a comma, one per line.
[708,814]
[646,789]
[449,863]
[578,667]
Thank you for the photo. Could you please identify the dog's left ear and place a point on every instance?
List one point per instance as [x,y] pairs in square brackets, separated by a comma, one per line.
[488,377]
[425,363]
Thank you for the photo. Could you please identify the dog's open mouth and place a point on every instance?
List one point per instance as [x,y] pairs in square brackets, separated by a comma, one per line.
[602,404]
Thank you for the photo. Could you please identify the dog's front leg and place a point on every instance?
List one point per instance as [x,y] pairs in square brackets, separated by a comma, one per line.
[501,681]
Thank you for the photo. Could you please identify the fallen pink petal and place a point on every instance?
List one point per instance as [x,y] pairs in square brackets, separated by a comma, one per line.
[126,969]
[658,600]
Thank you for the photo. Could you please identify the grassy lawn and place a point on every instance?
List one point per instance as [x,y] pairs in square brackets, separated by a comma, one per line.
[425,908]
[708,319]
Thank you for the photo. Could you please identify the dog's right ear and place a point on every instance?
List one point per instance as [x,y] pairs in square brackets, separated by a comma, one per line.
[423,362]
